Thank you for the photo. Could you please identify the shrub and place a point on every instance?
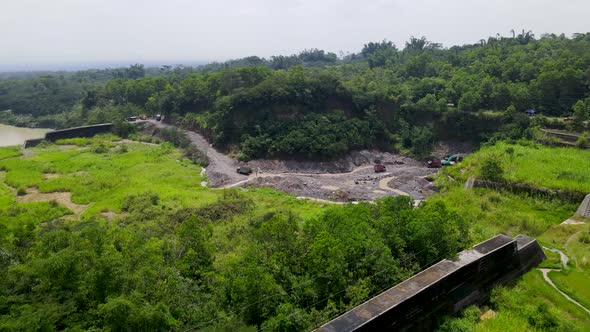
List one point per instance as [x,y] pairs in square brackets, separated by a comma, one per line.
[123,129]
[146,139]
[78,141]
[139,202]
[491,169]
[582,143]
[196,156]
[99,148]
[44,144]
[177,137]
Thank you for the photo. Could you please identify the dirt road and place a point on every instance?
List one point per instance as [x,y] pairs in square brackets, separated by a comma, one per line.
[221,171]
[545,272]
[350,178]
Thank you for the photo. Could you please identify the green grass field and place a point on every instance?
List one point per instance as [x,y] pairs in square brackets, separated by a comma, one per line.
[575,280]
[550,167]
[9,151]
[490,212]
[103,180]
[533,305]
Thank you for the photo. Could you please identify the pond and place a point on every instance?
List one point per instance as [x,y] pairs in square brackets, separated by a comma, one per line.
[11,135]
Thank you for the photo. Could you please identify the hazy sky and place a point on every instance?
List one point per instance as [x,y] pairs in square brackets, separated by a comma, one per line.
[64,32]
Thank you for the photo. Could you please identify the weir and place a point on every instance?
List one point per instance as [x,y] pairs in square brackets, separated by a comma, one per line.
[84,131]
[444,288]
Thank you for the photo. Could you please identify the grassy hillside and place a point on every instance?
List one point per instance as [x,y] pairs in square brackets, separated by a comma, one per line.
[531,304]
[549,167]
[108,235]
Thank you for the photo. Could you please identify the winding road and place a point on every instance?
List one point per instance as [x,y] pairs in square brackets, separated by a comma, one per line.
[221,171]
[564,261]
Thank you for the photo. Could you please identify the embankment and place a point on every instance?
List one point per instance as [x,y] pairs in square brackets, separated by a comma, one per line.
[84,131]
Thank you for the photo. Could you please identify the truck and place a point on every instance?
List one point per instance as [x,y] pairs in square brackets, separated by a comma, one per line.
[244,170]
[452,160]
[434,164]
[379,168]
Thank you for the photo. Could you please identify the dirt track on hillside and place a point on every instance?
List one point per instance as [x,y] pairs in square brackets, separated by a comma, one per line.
[350,178]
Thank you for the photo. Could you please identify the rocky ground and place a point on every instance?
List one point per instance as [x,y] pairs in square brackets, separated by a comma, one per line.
[350,178]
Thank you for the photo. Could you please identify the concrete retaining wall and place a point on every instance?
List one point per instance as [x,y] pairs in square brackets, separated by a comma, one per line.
[31,143]
[522,188]
[85,131]
[584,209]
[444,288]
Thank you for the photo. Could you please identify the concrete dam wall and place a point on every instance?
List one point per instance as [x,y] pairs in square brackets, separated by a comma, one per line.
[85,131]
[444,288]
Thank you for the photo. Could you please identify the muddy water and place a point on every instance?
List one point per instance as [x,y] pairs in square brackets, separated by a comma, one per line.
[10,135]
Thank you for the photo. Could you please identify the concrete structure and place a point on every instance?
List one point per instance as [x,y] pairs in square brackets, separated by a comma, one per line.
[444,288]
[584,209]
[571,196]
[31,143]
[85,131]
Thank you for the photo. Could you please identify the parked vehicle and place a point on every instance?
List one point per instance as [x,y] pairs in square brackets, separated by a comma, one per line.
[245,170]
[379,168]
[132,118]
[434,164]
[452,160]
[158,117]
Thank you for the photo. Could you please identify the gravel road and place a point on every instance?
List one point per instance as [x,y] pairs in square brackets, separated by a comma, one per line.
[350,178]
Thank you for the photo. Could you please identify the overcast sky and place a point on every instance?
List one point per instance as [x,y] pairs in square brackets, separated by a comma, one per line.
[62,33]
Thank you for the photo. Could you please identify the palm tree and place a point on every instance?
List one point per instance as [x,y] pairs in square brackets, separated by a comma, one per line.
[525,37]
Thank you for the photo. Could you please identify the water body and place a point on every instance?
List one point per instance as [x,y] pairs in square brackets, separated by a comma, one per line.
[11,135]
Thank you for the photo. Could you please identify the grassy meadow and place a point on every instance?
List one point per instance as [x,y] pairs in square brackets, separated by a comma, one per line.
[549,167]
[530,304]
[102,172]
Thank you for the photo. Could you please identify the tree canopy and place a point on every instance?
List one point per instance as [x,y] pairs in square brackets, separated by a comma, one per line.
[284,105]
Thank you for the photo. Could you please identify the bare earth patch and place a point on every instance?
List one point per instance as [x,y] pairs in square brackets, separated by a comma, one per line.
[488,315]
[110,215]
[572,222]
[62,198]
[330,187]
[347,179]
[49,176]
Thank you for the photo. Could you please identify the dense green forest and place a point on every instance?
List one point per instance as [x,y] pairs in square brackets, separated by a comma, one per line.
[317,105]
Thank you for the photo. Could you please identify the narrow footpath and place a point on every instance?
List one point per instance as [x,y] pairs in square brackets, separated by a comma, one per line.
[545,272]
